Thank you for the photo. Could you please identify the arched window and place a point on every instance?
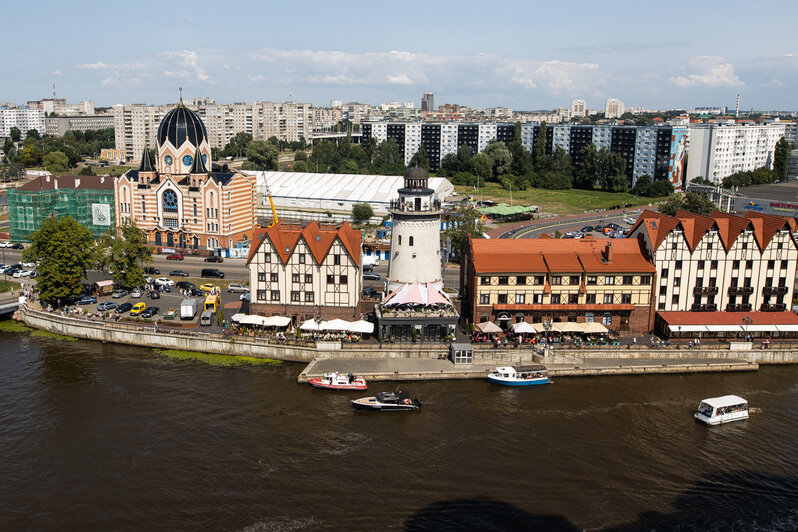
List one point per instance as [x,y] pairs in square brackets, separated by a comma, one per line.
[410,243]
[169,201]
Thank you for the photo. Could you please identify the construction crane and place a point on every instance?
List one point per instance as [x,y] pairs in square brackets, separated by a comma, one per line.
[275,220]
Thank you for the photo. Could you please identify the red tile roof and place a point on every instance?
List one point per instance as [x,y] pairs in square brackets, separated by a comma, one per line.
[535,255]
[319,239]
[728,318]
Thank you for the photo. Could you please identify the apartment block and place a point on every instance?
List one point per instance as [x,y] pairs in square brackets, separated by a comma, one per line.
[56,126]
[24,119]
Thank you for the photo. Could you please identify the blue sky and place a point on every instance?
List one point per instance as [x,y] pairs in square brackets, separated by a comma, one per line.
[524,55]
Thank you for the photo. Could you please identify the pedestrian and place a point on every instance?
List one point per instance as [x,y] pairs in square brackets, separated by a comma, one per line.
[634,341]
[689,344]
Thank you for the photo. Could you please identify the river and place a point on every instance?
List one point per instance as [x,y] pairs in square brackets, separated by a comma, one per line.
[108,437]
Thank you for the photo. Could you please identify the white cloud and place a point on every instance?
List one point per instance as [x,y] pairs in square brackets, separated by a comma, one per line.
[708,72]
[400,79]
[189,60]
[99,65]
[57,72]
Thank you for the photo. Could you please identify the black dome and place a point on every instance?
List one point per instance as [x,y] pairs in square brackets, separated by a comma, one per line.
[181,124]
[416,172]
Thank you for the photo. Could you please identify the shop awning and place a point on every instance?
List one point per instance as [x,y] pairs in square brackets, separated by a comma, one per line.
[687,328]
[728,328]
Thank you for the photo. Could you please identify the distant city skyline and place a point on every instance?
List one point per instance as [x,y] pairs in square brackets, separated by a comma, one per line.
[675,55]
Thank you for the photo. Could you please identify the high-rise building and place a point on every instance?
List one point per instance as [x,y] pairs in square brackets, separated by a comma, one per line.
[578,108]
[428,102]
[613,108]
[56,126]
[719,150]
[23,119]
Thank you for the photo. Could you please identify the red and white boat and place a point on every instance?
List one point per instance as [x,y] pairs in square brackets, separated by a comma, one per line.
[336,381]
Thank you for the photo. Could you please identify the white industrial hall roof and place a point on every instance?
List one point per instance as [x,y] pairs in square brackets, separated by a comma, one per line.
[347,189]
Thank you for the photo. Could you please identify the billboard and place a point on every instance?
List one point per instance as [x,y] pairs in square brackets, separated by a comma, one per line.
[676,163]
[100,214]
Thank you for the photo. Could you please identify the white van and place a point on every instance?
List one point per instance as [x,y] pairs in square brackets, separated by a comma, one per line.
[205,317]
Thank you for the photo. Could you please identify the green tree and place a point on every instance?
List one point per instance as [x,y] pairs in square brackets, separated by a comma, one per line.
[300,166]
[672,204]
[781,158]
[420,159]
[237,145]
[86,170]
[15,133]
[362,212]
[611,171]
[126,255]
[370,147]
[323,155]
[64,250]
[501,157]
[349,166]
[482,165]
[388,159]
[300,156]
[539,157]
[467,224]
[33,133]
[642,185]
[690,202]
[522,159]
[586,174]
[56,162]
[262,154]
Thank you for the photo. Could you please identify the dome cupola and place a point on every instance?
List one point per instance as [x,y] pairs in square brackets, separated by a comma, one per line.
[181,124]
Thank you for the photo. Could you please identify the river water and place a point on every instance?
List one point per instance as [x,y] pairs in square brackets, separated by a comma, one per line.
[107,437]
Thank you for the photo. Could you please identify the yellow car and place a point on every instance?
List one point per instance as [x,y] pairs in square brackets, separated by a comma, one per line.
[208,288]
[138,308]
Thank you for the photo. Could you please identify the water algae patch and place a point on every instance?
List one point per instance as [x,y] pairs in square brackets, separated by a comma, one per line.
[216,360]
[54,336]
[13,326]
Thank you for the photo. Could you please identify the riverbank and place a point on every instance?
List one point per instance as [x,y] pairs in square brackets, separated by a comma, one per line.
[412,362]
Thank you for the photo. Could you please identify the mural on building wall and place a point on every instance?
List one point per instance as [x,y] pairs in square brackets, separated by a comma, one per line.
[676,166]
[100,214]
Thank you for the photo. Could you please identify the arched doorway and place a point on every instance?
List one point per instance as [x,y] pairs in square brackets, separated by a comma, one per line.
[195,242]
[170,239]
[158,240]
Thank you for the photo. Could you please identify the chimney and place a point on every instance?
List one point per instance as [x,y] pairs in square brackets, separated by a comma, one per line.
[47,177]
[77,183]
[102,179]
[609,251]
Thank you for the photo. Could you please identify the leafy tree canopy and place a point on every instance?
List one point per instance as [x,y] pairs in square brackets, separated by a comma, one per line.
[467,224]
[126,255]
[362,212]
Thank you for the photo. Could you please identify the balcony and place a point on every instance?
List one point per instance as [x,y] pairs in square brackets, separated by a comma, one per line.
[709,307]
[778,307]
[741,290]
[738,307]
[774,291]
[707,290]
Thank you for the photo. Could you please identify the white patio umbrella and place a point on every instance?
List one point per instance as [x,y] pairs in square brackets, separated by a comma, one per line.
[309,325]
[252,320]
[362,327]
[335,325]
[523,328]
[489,327]
[593,327]
[276,321]
[237,317]
[569,326]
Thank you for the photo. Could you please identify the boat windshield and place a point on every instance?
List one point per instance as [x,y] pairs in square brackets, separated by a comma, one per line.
[705,409]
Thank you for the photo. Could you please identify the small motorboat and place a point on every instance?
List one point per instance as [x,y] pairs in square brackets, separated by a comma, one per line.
[398,400]
[336,381]
[523,376]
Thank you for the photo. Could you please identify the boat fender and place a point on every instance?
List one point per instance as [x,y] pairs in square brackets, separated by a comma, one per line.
[407,401]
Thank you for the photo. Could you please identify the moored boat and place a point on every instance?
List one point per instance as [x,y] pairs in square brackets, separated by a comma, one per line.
[337,381]
[398,400]
[717,410]
[523,376]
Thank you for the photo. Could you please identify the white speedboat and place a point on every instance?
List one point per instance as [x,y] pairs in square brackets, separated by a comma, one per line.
[717,410]
[523,376]
[336,381]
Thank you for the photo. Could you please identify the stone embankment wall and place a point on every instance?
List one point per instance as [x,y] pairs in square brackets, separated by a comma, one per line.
[245,346]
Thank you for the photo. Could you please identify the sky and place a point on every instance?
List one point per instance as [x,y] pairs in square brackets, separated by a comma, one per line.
[523,55]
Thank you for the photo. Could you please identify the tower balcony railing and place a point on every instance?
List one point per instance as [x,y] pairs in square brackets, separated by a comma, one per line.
[407,206]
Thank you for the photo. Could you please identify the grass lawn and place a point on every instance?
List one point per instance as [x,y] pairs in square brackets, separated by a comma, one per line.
[216,360]
[570,201]
[8,286]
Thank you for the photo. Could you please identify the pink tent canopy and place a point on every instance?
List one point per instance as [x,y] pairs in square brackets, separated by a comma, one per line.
[416,294]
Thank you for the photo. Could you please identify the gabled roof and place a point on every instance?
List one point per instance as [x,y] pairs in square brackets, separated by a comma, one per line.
[319,239]
[695,227]
[768,226]
[656,225]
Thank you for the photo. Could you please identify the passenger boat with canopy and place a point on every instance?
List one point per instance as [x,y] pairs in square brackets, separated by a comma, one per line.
[717,410]
[523,376]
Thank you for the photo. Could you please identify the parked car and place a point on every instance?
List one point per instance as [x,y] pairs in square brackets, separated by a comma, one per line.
[120,293]
[237,287]
[368,267]
[149,312]
[5,244]
[164,281]
[34,274]
[30,265]
[599,228]
[175,256]
[22,273]
[155,294]
[185,285]
[371,276]
[137,292]
[214,258]
[148,280]
[17,246]
[212,272]
[196,292]
[107,305]
[370,291]
[178,273]
[152,271]
[614,226]
[138,308]
[87,300]
[124,307]
[629,220]
[208,287]
[587,229]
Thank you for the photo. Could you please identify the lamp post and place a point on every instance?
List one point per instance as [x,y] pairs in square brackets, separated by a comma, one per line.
[747,321]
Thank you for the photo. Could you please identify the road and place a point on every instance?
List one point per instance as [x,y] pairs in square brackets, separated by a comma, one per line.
[570,226]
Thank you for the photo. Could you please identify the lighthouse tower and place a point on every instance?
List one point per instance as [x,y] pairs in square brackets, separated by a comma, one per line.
[415,234]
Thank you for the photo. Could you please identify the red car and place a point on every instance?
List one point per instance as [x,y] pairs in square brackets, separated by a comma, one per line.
[175,256]
[214,258]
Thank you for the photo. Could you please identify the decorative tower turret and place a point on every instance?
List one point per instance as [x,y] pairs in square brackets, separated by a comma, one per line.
[415,234]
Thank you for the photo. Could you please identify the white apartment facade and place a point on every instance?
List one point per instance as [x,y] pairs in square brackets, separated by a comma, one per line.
[24,119]
[719,150]
[613,108]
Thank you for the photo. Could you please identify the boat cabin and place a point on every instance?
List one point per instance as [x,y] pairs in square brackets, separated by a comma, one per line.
[717,410]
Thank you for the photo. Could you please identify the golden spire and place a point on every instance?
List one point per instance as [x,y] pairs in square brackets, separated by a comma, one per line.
[181,97]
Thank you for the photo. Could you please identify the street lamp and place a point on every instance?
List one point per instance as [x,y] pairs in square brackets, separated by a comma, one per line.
[747,321]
